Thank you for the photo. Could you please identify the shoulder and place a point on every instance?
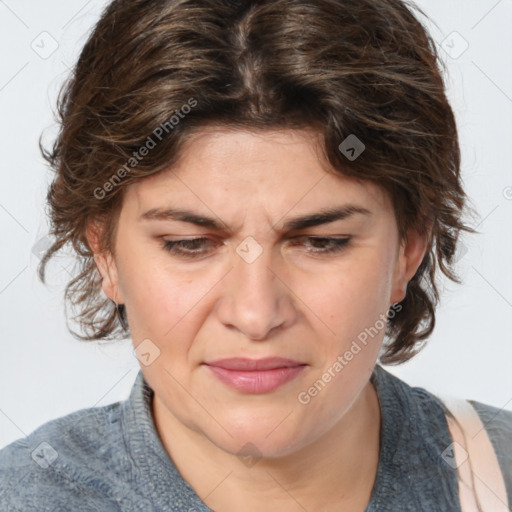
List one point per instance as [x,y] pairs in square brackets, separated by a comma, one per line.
[498,424]
[423,403]
[62,463]
[496,421]
[414,421]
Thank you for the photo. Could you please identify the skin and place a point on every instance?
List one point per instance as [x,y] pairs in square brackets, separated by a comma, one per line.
[289,302]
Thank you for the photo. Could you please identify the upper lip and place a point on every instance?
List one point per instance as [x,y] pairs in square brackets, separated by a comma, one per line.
[267,363]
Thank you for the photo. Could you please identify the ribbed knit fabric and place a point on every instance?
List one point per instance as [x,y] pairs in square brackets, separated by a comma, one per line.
[110,458]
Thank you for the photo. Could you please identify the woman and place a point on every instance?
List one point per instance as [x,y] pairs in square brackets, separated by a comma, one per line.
[263,191]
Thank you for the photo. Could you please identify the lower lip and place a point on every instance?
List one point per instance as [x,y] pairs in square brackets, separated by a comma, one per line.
[256,381]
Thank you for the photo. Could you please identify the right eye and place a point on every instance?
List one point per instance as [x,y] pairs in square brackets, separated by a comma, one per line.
[186,247]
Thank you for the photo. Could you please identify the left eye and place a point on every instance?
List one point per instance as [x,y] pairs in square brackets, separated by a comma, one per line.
[327,244]
[192,247]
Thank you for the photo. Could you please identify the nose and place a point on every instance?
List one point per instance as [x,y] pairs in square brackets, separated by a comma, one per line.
[255,298]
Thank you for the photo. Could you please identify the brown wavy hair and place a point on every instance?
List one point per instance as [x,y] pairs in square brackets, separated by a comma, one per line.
[160,70]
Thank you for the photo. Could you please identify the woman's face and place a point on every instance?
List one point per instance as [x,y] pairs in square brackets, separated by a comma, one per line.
[248,283]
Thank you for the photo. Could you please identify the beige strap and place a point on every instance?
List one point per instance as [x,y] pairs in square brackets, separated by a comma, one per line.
[481,484]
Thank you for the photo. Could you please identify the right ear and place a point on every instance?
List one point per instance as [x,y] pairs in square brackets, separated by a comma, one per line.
[104,261]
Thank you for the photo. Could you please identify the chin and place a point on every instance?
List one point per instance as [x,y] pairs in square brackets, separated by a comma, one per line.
[258,443]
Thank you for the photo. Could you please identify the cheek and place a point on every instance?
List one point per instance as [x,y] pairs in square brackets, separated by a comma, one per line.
[156,296]
[159,301]
[355,297]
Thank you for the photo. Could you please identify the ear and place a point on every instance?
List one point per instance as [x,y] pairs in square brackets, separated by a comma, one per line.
[105,262]
[410,256]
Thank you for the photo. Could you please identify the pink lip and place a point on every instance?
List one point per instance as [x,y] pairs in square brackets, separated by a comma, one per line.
[255,375]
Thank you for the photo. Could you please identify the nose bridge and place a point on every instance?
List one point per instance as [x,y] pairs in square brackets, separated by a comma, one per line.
[256,302]
[253,265]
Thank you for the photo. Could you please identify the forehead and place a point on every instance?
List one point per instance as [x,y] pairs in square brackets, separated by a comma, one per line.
[248,165]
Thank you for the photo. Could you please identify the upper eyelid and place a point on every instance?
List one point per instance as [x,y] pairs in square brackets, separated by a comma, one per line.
[182,241]
[294,234]
[207,239]
[337,245]
[183,238]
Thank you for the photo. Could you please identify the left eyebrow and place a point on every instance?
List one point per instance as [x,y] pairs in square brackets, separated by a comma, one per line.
[324,216]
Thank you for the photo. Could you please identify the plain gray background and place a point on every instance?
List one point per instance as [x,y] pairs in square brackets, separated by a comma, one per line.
[45,373]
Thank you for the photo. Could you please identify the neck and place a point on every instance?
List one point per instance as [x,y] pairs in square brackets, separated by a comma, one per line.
[338,470]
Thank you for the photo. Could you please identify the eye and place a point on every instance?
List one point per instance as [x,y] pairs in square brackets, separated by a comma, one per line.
[324,245]
[189,248]
[195,247]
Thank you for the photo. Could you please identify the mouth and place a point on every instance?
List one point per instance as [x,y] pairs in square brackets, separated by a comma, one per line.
[247,364]
[255,375]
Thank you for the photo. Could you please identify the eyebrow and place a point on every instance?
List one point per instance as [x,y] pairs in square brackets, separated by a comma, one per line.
[323,216]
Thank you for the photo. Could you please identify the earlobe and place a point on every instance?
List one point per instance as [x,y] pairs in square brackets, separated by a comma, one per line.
[411,254]
[105,264]
[107,268]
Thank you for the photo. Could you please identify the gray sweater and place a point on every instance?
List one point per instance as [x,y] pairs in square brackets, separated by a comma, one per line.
[110,458]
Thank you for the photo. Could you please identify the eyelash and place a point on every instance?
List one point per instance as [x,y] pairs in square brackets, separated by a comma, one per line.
[176,246]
